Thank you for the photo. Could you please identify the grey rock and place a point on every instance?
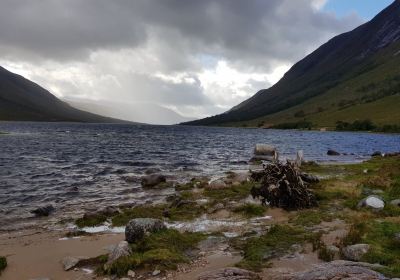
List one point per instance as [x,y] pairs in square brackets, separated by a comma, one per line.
[376,154]
[332,153]
[71,262]
[153,180]
[217,184]
[156,272]
[355,252]
[395,202]
[397,237]
[338,270]
[121,250]
[131,273]
[216,207]
[372,201]
[137,228]
[43,210]
[229,273]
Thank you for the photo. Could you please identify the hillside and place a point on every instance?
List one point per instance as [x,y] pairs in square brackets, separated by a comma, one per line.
[355,75]
[23,100]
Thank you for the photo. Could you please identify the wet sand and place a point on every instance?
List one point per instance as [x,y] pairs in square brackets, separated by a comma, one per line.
[39,254]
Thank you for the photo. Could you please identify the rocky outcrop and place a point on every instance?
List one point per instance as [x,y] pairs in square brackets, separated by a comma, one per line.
[43,210]
[338,270]
[230,273]
[217,184]
[137,228]
[153,180]
[355,252]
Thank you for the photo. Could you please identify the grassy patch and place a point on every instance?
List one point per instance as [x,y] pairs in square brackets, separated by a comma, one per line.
[3,263]
[91,220]
[142,211]
[250,210]
[163,250]
[235,192]
[277,241]
[310,217]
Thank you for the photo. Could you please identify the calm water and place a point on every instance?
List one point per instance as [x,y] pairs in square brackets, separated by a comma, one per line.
[82,166]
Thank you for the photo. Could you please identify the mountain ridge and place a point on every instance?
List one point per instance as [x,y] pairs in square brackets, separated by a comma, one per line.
[342,58]
[24,100]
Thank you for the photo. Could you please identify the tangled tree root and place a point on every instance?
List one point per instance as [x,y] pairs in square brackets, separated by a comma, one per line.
[284,186]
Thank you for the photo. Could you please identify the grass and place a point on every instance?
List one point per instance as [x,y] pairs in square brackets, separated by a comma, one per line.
[249,210]
[235,192]
[3,263]
[310,217]
[91,220]
[276,242]
[162,250]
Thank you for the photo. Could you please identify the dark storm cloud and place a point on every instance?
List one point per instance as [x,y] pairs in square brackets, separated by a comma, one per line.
[250,32]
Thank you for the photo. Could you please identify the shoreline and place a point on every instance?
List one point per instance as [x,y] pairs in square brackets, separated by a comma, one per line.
[230,221]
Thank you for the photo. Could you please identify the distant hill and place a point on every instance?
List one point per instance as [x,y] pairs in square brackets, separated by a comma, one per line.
[354,76]
[23,100]
[138,112]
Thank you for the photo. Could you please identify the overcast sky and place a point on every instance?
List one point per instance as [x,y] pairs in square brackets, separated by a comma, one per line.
[196,57]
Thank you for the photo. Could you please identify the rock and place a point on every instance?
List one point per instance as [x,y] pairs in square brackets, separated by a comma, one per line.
[376,154]
[372,201]
[215,208]
[153,180]
[338,270]
[152,171]
[131,273]
[395,202]
[308,178]
[332,153]
[156,272]
[43,210]
[397,237]
[237,178]
[229,273]
[71,262]
[136,228]
[121,250]
[355,252]
[217,184]
[265,152]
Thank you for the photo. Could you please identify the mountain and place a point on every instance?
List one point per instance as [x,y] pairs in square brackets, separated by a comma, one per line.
[23,100]
[138,112]
[355,75]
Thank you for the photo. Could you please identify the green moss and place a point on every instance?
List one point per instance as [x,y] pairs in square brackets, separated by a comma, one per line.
[163,250]
[235,192]
[250,210]
[324,254]
[278,240]
[143,211]
[3,264]
[91,221]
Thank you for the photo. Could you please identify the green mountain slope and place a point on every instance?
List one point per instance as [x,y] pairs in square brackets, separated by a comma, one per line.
[355,75]
[23,100]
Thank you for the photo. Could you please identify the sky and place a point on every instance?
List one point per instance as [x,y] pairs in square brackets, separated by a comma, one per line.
[165,61]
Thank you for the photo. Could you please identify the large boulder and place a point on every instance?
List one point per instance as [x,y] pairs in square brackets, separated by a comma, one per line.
[153,180]
[121,250]
[229,273]
[355,252]
[137,228]
[373,202]
[395,202]
[43,210]
[338,270]
[265,152]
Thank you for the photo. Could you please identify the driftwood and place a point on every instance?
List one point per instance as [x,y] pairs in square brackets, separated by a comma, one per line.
[283,186]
